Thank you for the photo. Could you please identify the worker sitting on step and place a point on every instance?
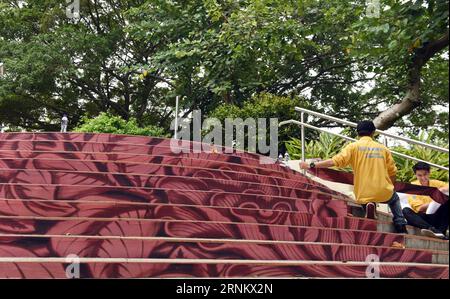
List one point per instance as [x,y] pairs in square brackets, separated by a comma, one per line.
[423,212]
[374,173]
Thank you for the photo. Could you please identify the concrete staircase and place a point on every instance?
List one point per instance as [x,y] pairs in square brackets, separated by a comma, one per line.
[131,207]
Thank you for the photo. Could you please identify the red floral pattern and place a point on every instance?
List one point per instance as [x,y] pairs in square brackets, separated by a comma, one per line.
[130,197]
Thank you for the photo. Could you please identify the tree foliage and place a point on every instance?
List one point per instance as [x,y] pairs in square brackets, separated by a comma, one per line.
[132,57]
[407,48]
[265,106]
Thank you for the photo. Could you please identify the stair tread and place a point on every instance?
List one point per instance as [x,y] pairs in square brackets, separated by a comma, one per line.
[213,261]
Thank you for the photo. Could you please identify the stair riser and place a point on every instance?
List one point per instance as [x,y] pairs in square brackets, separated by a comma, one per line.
[321,206]
[213,161]
[183,214]
[126,248]
[389,228]
[80,137]
[51,160]
[220,172]
[304,211]
[43,177]
[427,244]
[170,270]
[163,150]
[183,229]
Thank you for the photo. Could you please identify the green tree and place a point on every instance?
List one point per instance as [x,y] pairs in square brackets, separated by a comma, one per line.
[406,46]
[56,64]
[131,57]
[265,106]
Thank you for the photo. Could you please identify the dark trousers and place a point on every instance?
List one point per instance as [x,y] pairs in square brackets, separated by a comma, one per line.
[438,220]
[396,209]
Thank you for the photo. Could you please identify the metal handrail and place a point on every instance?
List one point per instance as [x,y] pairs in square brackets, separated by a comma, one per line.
[384,133]
[305,125]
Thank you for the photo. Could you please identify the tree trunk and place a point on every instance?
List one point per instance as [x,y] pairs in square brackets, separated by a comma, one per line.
[410,102]
[412,99]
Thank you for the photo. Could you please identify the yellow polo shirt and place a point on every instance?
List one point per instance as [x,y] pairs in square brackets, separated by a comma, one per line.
[416,201]
[372,165]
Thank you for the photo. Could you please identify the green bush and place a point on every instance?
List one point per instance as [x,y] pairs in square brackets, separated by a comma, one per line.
[106,123]
[325,147]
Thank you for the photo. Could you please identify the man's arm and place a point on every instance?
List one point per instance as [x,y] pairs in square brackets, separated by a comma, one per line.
[340,160]
[322,164]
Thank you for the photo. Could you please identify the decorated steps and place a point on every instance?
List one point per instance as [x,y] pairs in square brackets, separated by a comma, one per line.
[223,172]
[318,203]
[122,148]
[130,226]
[17,229]
[136,207]
[332,227]
[201,268]
[78,178]
[113,247]
[101,209]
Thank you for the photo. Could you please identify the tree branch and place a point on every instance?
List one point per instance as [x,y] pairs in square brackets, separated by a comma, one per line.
[412,99]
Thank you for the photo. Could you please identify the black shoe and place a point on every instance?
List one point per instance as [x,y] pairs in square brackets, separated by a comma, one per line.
[401,229]
[371,211]
[433,233]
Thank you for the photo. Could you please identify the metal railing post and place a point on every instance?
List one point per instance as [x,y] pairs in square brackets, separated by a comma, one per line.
[384,133]
[176,116]
[302,117]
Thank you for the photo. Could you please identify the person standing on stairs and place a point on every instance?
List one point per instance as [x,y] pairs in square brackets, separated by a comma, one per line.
[420,211]
[64,123]
[374,173]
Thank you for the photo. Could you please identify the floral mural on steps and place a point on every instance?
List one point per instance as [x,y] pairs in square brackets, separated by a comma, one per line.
[79,194]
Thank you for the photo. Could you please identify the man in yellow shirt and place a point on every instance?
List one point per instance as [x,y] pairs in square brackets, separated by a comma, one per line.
[374,173]
[432,225]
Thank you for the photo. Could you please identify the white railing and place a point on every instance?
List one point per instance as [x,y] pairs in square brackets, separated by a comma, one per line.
[351,124]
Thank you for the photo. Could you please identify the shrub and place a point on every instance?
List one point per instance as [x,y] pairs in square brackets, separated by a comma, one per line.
[107,123]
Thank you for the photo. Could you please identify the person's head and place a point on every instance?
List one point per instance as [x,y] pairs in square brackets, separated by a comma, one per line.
[365,128]
[422,172]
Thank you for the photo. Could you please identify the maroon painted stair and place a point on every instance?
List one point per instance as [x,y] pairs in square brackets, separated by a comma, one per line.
[132,207]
